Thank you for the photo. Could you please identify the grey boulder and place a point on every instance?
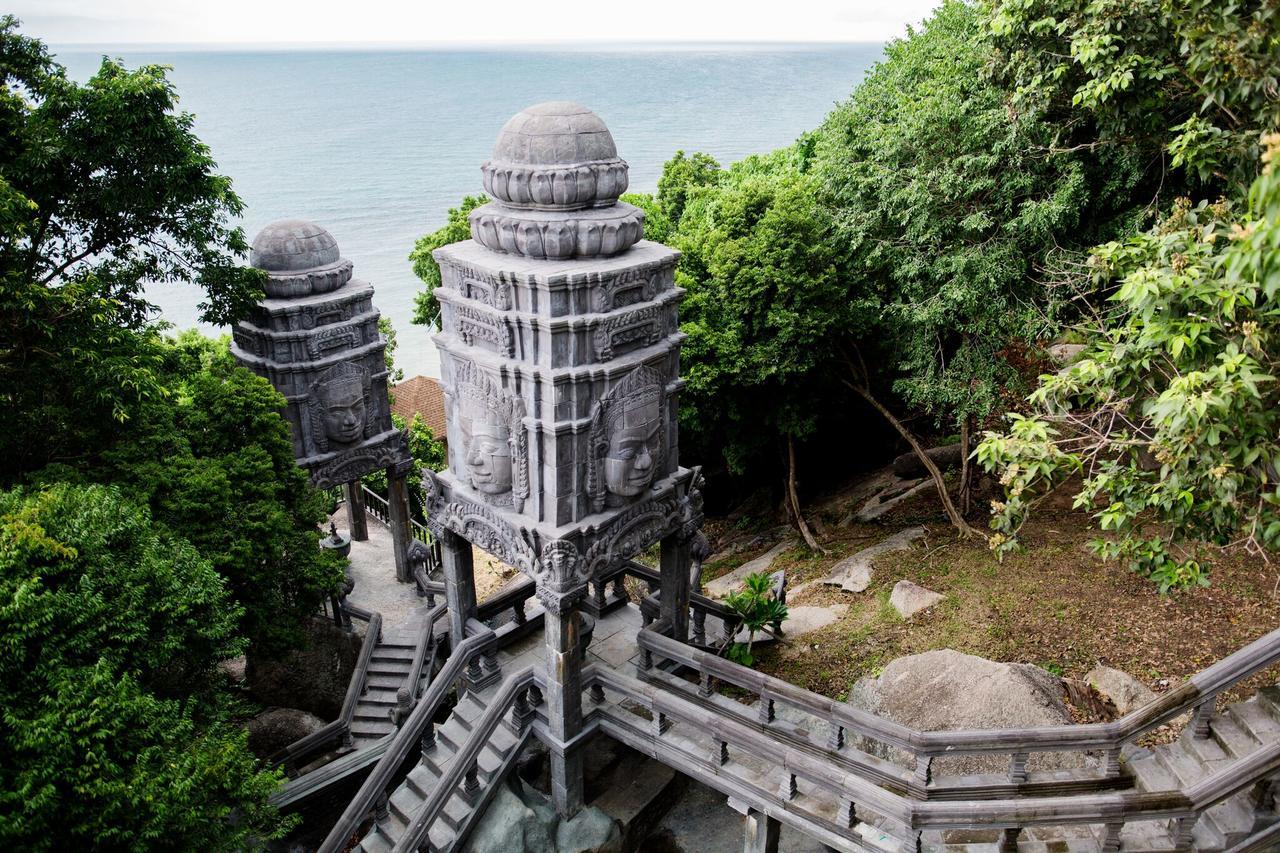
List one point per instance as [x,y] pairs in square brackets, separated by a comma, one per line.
[909,598]
[945,689]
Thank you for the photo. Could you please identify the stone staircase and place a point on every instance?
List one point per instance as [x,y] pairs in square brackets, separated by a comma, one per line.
[461,810]
[1238,732]
[388,669]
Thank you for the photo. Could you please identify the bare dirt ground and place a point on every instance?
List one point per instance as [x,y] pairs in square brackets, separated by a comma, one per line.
[1055,605]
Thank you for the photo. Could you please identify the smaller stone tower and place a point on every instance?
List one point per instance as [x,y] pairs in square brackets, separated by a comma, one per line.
[315,338]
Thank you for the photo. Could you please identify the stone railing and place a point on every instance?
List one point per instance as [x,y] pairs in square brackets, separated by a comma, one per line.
[1196,695]
[520,694]
[464,659]
[830,787]
[300,751]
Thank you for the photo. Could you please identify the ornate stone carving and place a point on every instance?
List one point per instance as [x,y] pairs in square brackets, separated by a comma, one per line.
[316,340]
[555,187]
[627,288]
[561,576]
[477,325]
[642,327]
[594,232]
[339,402]
[392,452]
[485,289]
[495,444]
[630,532]
[626,444]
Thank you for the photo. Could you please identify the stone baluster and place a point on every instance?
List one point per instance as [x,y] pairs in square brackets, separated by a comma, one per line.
[765,710]
[1182,832]
[518,615]
[1018,768]
[380,808]
[1111,769]
[471,782]
[599,590]
[788,790]
[1200,722]
[1111,836]
[1009,840]
[847,816]
[836,741]
[704,684]
[924,769]
[913,843]
[620,587]
[699,627]
[724,752]
[522,711]
[596,692]
[428,740]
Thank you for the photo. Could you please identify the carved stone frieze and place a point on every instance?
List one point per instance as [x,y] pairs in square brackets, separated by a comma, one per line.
[630,287]
[640,328]
[476,325]
[594,232]
[390,452]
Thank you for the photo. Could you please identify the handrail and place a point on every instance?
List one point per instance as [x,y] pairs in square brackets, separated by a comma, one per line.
[338,728]
[697,600]
[1111,808]
[425,642]
[1199,689]
[375,784]
[416,833]
[506,599]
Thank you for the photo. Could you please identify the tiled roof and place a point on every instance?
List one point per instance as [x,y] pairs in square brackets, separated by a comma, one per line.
[420,395]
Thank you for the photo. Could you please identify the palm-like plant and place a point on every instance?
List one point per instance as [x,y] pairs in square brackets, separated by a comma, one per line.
[758,607]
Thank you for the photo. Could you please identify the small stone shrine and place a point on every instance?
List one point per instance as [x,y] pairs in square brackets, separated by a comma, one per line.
[315,338]
[560,358]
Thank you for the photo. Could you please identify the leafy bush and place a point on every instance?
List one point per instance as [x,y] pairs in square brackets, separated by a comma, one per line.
[1172,411]
[758,608]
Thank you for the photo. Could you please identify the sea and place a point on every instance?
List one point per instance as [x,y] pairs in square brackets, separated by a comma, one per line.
[377,144]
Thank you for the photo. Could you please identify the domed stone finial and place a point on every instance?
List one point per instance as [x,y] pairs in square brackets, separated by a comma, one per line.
[299,258]
[556,176]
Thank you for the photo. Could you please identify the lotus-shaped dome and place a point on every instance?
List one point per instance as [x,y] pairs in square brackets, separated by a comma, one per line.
[553,167]
[554,133]
[299,258]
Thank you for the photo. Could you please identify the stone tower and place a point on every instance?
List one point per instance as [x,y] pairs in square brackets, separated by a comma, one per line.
[315,338]
[559,352]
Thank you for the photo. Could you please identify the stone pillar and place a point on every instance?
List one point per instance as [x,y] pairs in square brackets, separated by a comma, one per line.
[459,583]
[675,563]
[561,628]
[357,523]
[398,512]
[760,833]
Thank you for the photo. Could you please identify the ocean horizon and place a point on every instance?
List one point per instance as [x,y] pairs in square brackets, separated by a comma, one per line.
[376,143]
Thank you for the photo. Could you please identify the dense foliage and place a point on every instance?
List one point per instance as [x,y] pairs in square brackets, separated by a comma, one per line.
[426,311]
[102,186]
[155,522]
[1172,411]
[1184,89]
[946,210]
[111,627]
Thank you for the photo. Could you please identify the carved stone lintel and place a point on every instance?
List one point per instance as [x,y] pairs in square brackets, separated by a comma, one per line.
[389,452]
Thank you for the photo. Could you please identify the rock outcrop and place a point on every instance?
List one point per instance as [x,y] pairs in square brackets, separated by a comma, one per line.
[946,689]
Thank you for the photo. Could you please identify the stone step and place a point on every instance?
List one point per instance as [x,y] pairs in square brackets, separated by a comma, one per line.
[440,836]
[455,811]
[364,727]
[1269,698]
[375,841]
[422,778]
[386,681]
[389,669]
[405,802]
[378,696]
[1231,737]
[1254,718]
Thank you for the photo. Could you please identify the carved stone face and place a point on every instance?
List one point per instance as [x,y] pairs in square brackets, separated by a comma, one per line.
[487,449]
[635,444]
[344,410]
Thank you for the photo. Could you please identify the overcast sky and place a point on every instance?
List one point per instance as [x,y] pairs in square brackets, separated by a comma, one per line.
[463,21]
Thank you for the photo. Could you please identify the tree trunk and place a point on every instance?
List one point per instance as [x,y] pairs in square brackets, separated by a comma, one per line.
[966,468]
[793,499]
[957,520]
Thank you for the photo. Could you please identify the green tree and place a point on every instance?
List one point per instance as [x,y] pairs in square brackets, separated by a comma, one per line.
[1184,89]
[765,300]
[1172,411]
[103,186]
[948,210]
[214,461]
[426,310]
[111,627]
